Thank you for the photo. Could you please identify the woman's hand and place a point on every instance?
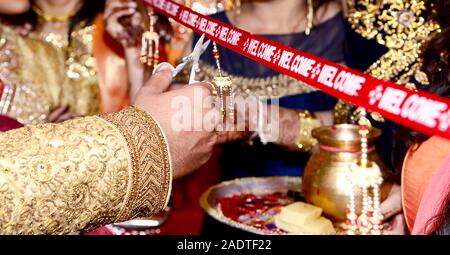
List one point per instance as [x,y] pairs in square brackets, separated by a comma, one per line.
[392,209]
[276,124]
[62,114]
[124,22]
[9,7]
[290,125]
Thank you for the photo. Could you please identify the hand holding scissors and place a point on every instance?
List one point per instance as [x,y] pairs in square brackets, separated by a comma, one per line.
[194,57]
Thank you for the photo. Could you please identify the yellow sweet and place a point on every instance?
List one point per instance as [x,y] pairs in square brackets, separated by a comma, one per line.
[321,226]
[300,213]
[290,228]
[302,218]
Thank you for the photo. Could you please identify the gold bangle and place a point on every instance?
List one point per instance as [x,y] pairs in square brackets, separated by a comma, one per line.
[308,123]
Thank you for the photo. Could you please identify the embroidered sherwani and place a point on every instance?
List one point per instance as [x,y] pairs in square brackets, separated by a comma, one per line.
[43,72]
[83,173]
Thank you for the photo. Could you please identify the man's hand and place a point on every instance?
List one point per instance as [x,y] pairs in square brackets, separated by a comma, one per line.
[189,148]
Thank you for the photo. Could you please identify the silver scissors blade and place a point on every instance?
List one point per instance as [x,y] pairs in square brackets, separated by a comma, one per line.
[194,57]
[199,48]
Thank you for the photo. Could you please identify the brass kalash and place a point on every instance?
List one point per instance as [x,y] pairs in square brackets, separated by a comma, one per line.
[324,179]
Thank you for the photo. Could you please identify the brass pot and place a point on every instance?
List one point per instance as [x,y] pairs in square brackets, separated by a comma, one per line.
[324,176]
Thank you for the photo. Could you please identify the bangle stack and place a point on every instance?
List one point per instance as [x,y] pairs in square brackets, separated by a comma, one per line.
[308,123]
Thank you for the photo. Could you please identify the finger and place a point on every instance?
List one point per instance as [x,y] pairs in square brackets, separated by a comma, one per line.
[393,203]
[206,88]
[163,65]
[56,113]
[397,226]
[66,116]
[117,5]
[175,87]
[225,137]
[160,80]
[114,17]
[211,119]
[116,30]
[137,20]
[111,10]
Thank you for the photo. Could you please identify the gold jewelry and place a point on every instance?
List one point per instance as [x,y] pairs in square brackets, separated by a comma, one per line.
[51,18]
[150,42]
[305,141]
[309,17]
[402,27]
[213,88]
[223,85]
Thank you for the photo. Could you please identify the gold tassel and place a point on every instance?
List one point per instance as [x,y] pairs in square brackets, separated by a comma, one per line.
[150,43]
[224,87]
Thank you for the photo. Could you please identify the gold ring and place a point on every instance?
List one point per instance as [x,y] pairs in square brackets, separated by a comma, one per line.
[213,88]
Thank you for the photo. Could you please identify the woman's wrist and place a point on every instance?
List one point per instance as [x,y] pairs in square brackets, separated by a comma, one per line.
[307,122]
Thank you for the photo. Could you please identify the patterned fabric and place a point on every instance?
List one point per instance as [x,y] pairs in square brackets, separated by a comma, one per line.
[82,174]
[47,73]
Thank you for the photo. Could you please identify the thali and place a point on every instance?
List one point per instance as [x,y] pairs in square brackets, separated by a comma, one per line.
[250,204]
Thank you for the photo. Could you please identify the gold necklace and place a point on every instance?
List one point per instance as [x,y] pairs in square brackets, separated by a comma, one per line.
[51,18]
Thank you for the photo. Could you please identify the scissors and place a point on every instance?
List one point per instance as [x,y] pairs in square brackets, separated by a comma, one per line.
[194,57]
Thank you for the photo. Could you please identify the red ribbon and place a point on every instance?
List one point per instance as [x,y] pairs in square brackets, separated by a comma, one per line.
[417,110]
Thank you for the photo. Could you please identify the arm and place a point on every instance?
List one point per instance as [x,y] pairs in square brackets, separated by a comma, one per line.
[291,129]
[129,37]
[84,173]
[296,126]
[88,172]
[136,71]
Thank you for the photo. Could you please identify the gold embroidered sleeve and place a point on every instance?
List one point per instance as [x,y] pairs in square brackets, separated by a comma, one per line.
[82,174]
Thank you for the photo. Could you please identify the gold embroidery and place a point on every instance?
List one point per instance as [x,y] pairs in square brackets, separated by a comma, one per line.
[64,75]
[81,62]
[59,178]
[24,102]
[82,174]
[401,26]
[152,175]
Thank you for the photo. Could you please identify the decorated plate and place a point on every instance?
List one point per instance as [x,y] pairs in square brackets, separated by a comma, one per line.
[250,204]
